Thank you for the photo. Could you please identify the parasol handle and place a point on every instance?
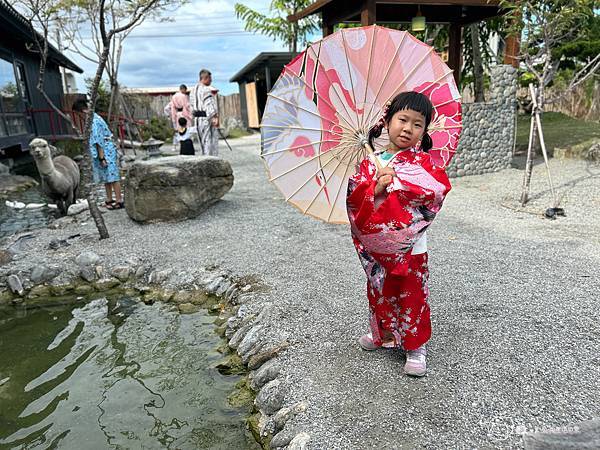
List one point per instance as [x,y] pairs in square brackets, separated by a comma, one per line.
[372,153]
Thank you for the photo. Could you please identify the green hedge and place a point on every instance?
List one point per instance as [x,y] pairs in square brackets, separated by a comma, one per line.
[158,128]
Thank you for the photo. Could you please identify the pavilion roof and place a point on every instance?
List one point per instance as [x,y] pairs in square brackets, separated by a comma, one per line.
[273,60]
[396,11]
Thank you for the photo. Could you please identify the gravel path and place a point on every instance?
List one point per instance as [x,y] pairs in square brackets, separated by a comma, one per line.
[513,295]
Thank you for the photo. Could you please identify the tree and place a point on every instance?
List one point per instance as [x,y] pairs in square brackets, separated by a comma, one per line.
[103,100]
[108,20]
[278,27]
[115,18]
[477,53]
[477,62]
[575,55]
[546,27]
[83,19]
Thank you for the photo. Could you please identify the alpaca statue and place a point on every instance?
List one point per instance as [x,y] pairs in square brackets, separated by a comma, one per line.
[60,175]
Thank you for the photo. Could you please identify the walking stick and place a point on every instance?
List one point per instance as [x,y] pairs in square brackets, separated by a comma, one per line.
[223,137]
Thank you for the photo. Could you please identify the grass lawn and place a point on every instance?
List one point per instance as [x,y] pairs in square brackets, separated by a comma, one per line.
[237,133]
[559,129]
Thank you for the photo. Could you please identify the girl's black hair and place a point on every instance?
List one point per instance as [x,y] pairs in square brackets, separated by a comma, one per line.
[407,100]
[80,105]
[183,87]
[182,121]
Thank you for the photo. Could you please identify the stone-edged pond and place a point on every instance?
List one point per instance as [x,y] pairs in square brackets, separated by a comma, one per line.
[23,205]
[115,373]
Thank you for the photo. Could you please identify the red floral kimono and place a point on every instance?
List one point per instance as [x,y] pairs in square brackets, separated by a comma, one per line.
[384,231]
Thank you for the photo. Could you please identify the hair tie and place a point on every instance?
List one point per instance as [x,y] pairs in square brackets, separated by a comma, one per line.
[426,142]
[381,121]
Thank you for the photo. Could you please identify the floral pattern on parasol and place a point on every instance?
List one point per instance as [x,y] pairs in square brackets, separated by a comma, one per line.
[321,108]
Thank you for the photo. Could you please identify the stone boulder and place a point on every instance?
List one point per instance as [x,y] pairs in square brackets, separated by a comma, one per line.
[176,187]
[15,183]
[588,150]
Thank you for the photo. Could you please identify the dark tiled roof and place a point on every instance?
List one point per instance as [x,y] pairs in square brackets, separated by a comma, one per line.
[14,23]
[274,60]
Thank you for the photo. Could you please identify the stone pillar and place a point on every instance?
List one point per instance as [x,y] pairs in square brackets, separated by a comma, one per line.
[489,128]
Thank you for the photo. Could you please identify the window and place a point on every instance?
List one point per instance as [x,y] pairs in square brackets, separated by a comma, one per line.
[12,108]
[22,83]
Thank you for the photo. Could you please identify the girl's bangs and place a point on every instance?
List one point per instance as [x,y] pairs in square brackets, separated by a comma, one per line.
[412,100]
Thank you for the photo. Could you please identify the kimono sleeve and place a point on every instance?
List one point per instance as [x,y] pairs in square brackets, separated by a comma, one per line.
[193,98]
[167,110]
[210,104]
[440,175]
[427,188]
[360,201]
[96,135]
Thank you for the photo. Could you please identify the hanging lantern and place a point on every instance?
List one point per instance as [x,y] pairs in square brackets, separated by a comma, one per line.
[418,22]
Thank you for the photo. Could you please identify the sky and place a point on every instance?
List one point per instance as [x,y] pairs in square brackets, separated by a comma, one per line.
[203,34]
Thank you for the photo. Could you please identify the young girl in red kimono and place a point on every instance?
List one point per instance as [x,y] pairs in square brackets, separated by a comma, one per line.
[391,203]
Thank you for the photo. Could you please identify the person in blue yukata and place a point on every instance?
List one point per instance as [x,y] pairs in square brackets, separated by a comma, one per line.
[105,165]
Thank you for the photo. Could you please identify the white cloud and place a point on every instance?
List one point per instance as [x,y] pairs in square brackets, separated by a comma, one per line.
[200,36]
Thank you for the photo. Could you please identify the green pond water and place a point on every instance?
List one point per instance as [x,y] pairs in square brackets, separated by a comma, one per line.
[17,220]
[114,374]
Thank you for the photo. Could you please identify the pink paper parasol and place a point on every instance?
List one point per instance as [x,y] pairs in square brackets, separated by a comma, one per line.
[326,100]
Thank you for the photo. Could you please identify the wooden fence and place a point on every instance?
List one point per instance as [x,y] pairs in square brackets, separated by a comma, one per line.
[145,107]
[230,107]
[578,103]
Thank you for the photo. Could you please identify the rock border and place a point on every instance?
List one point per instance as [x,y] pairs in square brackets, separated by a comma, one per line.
[242,323]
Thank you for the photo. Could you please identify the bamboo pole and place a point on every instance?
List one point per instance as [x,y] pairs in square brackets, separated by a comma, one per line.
[540,133]
[372,153]
[528,163]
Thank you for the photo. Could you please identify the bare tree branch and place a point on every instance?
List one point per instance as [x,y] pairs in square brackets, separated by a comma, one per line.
[589,70]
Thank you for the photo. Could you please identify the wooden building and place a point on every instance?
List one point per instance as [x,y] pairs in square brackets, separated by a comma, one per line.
[24,113]
[456,13]
[255,81]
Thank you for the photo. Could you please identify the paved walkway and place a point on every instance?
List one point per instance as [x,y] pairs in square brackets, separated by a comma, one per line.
[514,300]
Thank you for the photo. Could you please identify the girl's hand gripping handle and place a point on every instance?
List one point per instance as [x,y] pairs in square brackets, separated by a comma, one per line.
[385,177]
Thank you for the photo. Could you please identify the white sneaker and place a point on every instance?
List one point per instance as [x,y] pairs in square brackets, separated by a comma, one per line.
[366,342]
[416,362]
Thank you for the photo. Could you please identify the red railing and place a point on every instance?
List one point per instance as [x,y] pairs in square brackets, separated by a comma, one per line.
[60,128]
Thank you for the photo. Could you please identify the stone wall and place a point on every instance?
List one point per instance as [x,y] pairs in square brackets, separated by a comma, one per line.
[488,134]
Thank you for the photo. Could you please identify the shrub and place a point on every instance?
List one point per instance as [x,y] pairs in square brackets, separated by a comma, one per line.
[158,128]
[237,133]
[69,147]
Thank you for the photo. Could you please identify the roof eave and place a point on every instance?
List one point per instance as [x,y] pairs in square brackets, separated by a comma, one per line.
[23,27]
[317,6]
[60,59]
[240,74]
[261,57]
[312,9]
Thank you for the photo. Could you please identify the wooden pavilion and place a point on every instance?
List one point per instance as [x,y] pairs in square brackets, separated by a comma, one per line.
[255,80]
[455,13]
